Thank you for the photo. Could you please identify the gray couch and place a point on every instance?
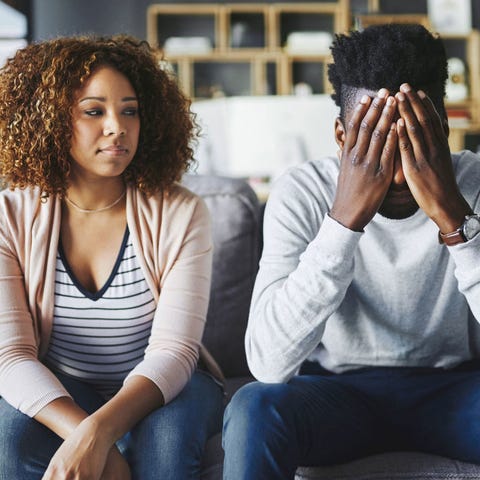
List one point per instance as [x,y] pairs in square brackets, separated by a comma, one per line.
[236,216]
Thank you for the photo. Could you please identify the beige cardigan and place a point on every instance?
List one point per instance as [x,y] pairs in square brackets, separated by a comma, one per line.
[171,235]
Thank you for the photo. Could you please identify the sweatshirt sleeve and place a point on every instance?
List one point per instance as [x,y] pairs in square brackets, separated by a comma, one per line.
[172,352]
[467,271]
[306,267]
[467,255]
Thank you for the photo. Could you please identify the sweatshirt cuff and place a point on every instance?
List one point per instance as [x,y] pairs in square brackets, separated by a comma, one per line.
[334,242]
[466,255]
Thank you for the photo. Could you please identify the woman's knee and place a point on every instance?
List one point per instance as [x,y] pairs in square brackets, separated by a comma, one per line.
[26,446]
[173,438]
[199,404]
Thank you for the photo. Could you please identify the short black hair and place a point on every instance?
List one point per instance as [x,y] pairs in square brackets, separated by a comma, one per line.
[387,56]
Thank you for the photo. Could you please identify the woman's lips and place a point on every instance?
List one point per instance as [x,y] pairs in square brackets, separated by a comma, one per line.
[114,150]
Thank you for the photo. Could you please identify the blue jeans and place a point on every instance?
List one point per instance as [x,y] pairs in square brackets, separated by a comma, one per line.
[167,444]
[319,418]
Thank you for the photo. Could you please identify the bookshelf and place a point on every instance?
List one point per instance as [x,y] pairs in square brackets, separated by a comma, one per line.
[243,49]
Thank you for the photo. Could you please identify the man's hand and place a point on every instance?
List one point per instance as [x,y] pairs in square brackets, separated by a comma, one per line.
[426,160]
[367,161]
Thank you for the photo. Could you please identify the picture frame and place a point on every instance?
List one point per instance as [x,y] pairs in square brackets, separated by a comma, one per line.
[451,17]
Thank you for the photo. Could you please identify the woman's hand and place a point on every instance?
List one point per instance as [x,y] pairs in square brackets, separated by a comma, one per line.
[87,455]
[366,167]
[426,160]
[116,467]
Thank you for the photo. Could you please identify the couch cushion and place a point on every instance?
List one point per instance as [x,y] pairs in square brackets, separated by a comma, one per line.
[388,466]
[235,216]
[395,466]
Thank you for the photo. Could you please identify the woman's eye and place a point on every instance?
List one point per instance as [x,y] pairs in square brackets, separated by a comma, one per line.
[131,112]
[93,112]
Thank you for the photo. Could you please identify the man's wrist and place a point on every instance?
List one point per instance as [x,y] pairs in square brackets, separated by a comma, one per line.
[351,224]
[469,229]
[453,219]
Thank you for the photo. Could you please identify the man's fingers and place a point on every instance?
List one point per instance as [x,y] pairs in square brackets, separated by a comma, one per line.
[412,127]
[404,145]
[381,131]
[354,123]
[438,133]
[388,153]
[370,121]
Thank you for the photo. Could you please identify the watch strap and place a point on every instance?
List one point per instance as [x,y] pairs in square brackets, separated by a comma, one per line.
[452,238]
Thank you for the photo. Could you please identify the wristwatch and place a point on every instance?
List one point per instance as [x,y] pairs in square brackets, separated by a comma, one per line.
[469,228]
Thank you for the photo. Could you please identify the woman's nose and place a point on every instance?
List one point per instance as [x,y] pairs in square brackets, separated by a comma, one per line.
[113,126]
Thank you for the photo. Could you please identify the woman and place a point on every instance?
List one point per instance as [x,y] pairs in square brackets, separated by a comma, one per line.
[105,266]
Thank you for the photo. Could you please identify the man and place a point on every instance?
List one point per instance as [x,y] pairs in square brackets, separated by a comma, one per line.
[363,325]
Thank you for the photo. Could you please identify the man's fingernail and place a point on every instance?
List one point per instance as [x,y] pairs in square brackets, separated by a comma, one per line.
[421,94]
[400,96]
[364,99]
[390,101]
[382,93]
[405,87]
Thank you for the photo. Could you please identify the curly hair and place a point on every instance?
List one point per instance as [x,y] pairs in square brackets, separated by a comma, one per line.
[387,56]
[37,91]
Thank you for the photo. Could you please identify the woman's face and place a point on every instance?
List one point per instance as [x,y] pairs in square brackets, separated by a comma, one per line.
[106,125]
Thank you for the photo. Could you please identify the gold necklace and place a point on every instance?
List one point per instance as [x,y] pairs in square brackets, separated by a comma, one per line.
[95,210]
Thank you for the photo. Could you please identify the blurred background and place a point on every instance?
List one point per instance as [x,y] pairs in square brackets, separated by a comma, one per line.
[256,71]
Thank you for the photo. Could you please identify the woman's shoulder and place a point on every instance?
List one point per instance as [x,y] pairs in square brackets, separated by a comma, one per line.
[18,210]
[181,198]
[19,195]
[177,201]
[180,193]
[20,201]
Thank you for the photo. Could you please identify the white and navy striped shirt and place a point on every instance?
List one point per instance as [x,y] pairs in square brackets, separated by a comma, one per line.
[100,337]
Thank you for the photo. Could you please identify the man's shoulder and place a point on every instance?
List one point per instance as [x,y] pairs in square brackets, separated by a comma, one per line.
[318,175]
[305,191]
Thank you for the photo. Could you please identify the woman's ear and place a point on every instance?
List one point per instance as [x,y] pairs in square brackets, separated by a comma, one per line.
[339,133]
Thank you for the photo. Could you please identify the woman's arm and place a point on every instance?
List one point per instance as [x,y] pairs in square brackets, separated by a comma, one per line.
[89,449]
[183,278]
[171,354]
[25,383]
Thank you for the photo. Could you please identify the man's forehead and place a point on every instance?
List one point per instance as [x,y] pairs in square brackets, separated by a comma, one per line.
[360,92]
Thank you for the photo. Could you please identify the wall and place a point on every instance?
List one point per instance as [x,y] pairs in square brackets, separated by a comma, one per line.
[67,17]
[52,18]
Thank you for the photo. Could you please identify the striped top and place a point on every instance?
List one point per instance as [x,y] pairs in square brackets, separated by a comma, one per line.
[98,338]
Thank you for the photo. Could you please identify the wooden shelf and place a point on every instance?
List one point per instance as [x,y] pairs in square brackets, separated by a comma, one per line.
[248,55]
[251,33]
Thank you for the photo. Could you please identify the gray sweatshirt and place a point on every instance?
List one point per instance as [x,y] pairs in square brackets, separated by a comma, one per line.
[390,296]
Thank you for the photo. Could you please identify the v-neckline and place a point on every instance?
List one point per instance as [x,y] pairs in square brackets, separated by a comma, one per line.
[84,291]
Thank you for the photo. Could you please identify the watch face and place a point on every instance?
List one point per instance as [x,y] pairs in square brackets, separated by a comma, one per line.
[471,227]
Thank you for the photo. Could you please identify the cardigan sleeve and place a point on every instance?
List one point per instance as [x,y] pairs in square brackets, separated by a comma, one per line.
[186,248]
[25,383]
